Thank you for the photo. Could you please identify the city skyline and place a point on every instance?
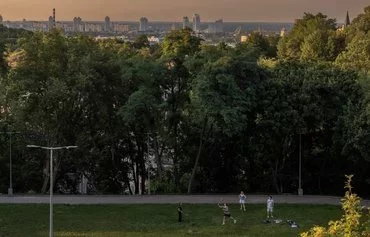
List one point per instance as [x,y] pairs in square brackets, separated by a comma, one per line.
[170,10]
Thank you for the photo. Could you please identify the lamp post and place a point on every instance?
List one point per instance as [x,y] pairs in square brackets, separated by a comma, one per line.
[10,189]
[51,234]
[300,190]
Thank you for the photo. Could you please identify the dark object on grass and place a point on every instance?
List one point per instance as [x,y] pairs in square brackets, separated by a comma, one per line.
[180,212]
[292,224]
[266,221]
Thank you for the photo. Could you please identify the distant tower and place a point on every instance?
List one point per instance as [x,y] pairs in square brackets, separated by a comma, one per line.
[185,22]
[196,23]
[347,21]
[143,24]
[107,25]
[54,17]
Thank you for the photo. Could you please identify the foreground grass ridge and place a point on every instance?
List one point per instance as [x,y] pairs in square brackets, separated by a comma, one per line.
[158,220]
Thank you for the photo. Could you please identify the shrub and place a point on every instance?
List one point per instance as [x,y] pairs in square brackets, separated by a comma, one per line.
[354,223]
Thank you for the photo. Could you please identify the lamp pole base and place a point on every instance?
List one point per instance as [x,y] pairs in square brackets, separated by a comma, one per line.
[10,191]
[300,192]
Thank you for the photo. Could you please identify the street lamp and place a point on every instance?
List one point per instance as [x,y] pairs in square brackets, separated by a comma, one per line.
[300,190]
[51,234]
[10,189]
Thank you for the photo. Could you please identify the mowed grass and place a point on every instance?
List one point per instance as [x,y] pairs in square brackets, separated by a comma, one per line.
[158,220]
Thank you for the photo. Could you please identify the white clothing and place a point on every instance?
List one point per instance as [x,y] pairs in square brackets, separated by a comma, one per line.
[270,204]
[242,198]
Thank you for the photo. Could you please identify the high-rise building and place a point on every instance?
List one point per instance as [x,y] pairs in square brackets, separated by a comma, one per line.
[143,24]
[196,23]
[78,26]
[216,27]
[50,22]
[219,26]
[185,22]
[107,25]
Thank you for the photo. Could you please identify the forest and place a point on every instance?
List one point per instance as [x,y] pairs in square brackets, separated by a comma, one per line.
[189,117]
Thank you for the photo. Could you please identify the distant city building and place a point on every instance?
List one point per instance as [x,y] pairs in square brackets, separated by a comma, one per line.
[78,25]
[185,22]
[39,26]
[107,25]
[50,22]
[282,32]
[219,26]
[243,38]
[216,28]
[196,23]
[173,27]
[93,27]
[143,24]
[121,28]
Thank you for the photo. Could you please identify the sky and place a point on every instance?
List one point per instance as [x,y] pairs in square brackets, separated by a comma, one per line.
[174,10]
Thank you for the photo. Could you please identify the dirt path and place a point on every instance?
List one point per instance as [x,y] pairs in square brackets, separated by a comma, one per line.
[163,199]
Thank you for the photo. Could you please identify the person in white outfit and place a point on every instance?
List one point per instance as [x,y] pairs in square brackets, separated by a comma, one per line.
[242,198]
[270,206]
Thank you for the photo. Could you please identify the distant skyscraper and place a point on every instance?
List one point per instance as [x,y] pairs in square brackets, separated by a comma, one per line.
[50,22]
[196,23]
[347,21]
[216,27]
[107,25]
[185,22]
[143,24]
[219,26]
[78,25]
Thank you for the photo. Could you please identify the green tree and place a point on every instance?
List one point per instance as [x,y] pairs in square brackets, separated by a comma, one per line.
[310,38]
[357,54]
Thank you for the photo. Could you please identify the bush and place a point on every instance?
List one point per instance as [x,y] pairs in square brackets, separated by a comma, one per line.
[354,223]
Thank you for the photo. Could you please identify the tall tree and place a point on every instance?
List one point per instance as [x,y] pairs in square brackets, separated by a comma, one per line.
[309,37]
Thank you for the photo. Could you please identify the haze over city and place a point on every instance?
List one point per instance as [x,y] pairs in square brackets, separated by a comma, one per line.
[171,10]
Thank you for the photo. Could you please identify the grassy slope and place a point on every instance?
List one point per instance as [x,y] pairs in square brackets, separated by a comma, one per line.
[157,220]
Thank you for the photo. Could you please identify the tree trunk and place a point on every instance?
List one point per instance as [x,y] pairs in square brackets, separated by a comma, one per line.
[158,158]
[198,155]
[46,176]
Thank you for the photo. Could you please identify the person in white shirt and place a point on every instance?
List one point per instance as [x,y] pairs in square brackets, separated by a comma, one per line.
[242,198]
[227,213]
[270,206]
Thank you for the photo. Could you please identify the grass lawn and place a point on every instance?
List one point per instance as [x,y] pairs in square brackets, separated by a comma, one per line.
[157,220]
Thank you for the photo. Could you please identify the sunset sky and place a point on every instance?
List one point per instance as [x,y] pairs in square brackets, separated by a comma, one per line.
[174,10]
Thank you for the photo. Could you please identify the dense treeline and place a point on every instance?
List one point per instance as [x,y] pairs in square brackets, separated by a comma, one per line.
[203,118]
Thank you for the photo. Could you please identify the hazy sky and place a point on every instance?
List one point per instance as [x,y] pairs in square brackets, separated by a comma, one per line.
[174,10]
